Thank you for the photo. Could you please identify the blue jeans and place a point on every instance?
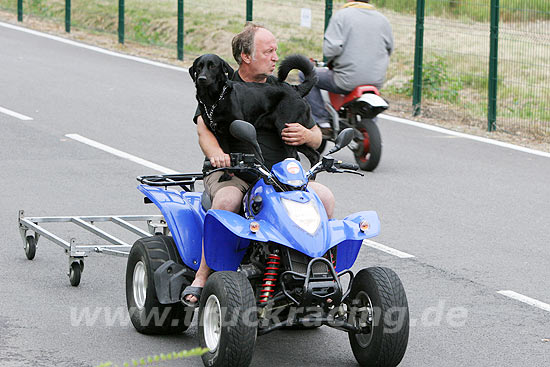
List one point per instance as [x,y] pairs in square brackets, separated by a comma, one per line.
[326,81]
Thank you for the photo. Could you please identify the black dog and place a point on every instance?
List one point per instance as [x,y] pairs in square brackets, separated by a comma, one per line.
[221,100]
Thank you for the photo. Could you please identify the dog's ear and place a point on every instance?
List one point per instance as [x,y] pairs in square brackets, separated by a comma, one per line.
[227,69]
[192,72]
[193,69]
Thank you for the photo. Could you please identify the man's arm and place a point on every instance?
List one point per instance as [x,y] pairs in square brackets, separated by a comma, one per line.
[296,134]
[333,44]
[210,146]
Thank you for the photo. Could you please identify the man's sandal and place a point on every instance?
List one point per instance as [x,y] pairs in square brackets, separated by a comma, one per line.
[191,291]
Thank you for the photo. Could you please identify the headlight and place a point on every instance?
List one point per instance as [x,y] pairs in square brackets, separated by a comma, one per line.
[305,215]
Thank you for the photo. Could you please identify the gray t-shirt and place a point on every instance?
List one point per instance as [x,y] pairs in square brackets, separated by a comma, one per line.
[359,43]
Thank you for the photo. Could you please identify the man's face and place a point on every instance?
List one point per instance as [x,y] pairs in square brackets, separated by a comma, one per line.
[265,56]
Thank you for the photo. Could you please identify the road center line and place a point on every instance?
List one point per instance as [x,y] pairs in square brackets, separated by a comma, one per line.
[120,153]
[15,114]
[386,249]
[528,300]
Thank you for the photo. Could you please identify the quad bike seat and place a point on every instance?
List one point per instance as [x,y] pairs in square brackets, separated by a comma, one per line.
[206,202]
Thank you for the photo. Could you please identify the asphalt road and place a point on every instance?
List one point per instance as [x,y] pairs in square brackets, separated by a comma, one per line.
[474,216]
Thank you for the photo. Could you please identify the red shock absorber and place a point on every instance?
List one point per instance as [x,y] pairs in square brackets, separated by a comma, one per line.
[332,258]
[270,277]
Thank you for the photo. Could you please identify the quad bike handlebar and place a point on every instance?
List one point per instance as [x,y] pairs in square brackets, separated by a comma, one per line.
[246,162]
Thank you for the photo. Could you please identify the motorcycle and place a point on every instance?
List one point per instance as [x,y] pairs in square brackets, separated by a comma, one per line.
[357,110]
[280,263]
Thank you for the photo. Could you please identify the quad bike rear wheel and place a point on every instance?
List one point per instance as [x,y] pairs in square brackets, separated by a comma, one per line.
[147,314]
[369,145]
[380,308]
[228,320]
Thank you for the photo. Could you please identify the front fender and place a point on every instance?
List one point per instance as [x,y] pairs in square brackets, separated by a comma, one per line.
[227,236]
[348,237]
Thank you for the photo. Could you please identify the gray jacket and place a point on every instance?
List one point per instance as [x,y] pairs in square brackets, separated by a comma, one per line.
[359,43]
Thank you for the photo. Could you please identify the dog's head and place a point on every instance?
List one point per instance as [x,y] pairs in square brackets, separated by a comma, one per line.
[210,69]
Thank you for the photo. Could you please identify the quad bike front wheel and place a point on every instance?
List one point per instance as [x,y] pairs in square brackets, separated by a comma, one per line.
[147,314]
[369,145]
[379,307]
[227,320]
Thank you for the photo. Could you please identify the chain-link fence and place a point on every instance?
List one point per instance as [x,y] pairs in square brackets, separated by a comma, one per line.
[458,38]
[456,49]
[524,66]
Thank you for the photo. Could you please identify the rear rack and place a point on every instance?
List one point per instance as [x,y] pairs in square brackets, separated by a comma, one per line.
[185,180]
[31,229]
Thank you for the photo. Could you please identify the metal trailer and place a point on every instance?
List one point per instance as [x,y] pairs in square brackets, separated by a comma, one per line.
[31,230]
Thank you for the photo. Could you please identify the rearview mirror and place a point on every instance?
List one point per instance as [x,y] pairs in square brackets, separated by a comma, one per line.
[246,132]
[342,140]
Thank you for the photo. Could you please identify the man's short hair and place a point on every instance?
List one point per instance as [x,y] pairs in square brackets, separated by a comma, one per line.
[244,42]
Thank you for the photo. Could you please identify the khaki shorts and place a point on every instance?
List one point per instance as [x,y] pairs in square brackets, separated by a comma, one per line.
[212,184]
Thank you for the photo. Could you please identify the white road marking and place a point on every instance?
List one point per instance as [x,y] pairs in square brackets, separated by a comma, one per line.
[386,249]
[466,136]
[92,48]
[15,114]
[528,300]
[120,153]
[172,67]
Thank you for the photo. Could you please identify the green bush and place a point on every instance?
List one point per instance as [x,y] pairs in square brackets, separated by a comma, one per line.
[437,84]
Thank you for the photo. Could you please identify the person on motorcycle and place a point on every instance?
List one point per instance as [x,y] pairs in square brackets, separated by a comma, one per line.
[255,50]
[358,44]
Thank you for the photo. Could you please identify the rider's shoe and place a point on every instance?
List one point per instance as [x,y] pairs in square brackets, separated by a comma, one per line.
[191,291]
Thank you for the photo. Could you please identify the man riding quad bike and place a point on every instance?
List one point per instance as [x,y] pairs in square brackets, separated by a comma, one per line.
[279,263]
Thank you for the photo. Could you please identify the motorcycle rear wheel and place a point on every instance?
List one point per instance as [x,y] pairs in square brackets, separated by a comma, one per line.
[369,147]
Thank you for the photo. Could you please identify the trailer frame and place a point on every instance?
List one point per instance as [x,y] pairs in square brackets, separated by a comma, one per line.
[31,230]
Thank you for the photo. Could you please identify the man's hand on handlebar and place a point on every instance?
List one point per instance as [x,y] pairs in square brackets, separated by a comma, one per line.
[220,160]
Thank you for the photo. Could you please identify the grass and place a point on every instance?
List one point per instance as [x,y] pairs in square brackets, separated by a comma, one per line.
[476,10]
[456,43]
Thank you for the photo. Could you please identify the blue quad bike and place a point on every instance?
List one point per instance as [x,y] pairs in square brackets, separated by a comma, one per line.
[280,263]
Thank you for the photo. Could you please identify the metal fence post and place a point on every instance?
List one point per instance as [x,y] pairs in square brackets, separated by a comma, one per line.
[328,15]
[493,67]
[328,12]
[249,10]
[68,16]
[19,10]
[121,21]
[180,29]
[418,53]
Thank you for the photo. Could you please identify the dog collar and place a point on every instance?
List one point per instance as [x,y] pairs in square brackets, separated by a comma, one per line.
[210,112]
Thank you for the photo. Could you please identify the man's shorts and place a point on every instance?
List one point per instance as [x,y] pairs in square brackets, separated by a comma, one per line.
[212,184]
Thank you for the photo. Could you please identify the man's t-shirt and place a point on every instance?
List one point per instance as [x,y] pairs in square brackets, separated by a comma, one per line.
[269,139]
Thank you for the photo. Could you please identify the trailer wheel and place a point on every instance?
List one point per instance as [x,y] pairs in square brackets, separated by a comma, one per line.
[75,273]
[147,314]
[30,247]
